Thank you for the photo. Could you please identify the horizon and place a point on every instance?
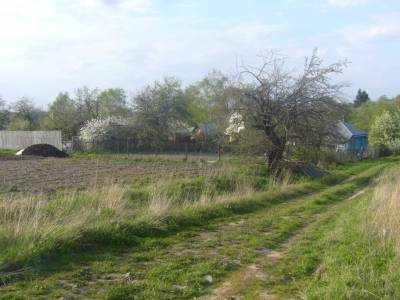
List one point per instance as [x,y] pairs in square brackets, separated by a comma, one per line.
[50,47]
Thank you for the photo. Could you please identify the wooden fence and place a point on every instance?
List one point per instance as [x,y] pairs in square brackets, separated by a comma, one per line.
[22,139]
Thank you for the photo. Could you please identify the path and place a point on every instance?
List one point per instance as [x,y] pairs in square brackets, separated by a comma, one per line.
[222,260]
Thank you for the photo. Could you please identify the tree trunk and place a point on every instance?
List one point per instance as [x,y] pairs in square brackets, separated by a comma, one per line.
[274,157]
[276,152]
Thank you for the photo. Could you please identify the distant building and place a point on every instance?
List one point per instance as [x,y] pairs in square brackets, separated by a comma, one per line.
[349,138]
[191,134]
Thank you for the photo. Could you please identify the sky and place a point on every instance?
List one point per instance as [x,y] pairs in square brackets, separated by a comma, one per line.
[50,46]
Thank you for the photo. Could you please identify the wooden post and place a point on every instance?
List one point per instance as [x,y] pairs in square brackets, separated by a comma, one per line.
[186,150]
[219,152]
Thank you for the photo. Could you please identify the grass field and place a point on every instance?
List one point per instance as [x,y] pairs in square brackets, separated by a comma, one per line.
[230,232]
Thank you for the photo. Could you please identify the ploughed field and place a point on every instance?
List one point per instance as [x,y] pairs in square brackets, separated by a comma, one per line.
[36,174]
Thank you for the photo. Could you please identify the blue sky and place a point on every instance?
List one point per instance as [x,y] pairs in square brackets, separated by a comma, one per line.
[48,46]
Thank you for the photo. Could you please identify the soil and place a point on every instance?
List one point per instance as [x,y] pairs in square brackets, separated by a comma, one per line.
[44,150]
[38,174]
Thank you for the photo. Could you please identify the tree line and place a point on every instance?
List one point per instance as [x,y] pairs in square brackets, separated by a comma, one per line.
[159,106]
[266,109]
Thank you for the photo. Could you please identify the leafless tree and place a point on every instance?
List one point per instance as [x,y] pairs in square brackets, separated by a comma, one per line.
[290,107]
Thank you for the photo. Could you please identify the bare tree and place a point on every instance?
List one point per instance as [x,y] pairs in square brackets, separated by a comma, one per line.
[289,107]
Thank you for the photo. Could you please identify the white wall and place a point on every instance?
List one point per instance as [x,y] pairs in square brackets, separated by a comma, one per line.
[22,139]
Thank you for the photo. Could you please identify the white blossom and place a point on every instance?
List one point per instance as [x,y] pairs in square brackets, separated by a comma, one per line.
[100,129]
[236,125]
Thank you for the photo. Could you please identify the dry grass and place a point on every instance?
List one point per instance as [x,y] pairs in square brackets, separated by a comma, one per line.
[385,207]
[29,220]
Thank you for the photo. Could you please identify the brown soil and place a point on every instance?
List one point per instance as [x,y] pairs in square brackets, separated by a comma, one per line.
[31,174]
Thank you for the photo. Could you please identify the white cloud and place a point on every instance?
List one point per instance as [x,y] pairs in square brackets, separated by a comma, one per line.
[347,3]
[384,26]
[68,43]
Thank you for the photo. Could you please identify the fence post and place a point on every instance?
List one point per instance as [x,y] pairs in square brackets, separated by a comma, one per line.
[186,150]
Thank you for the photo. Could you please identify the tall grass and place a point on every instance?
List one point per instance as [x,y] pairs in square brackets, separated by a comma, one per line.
[34,223]
[31,225]
[385,208]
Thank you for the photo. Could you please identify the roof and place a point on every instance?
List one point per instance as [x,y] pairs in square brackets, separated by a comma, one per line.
[207,128]
[354,130]
[187,130]
[342,132]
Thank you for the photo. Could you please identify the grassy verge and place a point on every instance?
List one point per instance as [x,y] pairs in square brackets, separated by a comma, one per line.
[106,219]
[364,260]
[193,246]
[344,254]
[159,158]
[7,151]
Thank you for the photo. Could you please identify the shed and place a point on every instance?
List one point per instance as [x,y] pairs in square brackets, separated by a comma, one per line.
[350,138]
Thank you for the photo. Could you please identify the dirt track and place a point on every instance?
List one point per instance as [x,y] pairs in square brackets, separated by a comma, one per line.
[31,174]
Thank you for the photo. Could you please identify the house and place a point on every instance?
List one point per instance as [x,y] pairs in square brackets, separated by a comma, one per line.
[348,138]
[199,132]
[181,135]
[204,131]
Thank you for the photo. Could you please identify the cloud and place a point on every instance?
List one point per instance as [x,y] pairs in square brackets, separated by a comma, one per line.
[385,26]
[348,3]
[251,31]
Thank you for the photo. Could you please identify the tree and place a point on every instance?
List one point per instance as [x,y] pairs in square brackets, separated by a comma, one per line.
[289,107]
[385,131]
[64,115]
[158,108]
[362,97]
[25,116]
[364,116]
[209,98]
[87,103]
[112,102]
[4,115]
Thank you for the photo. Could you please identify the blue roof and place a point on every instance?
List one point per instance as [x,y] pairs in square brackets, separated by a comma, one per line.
[354,130]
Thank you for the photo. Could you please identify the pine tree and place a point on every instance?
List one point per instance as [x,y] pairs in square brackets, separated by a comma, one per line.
[362,97]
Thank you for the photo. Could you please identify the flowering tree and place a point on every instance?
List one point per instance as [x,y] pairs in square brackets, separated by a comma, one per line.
[385,132]
[103,129]
[236,125]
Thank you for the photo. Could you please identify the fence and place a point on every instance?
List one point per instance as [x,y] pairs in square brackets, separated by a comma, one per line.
[129,145]
[22,139]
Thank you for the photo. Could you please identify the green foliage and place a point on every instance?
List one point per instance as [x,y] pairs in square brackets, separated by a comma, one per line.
[19,124]
[63,115]
[24,115]
[159,108]
[361,98]
[364,115]
[4,115]
[385,132]
[113,103]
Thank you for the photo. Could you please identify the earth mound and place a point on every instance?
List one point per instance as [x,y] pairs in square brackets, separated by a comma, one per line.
[44,150]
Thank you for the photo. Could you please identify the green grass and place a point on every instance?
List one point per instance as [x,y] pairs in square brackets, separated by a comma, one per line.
[7,151]
[336,257]
[154,252]
[156,158]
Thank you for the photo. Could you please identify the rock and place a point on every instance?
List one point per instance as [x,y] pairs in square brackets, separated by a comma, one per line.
[74,286]
[178,287]
[208,279]
[263,250]
[128,276]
